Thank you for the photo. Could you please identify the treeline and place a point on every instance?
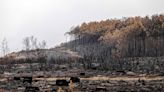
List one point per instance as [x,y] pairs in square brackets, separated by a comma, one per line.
[109,42]
[134,36]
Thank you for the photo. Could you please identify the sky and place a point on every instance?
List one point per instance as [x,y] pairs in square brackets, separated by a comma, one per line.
[50,19]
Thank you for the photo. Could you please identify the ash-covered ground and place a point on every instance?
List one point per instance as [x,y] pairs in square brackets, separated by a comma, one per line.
[28,78]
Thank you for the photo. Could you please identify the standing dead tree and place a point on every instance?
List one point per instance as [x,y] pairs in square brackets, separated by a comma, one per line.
[34,43]
[26,43]
[43,44]
[4,46]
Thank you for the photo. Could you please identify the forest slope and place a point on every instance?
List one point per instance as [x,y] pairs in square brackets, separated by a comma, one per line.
[118,42]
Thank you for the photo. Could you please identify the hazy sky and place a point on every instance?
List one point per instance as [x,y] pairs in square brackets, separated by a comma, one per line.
[50,19]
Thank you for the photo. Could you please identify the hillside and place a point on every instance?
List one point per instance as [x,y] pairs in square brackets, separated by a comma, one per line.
[130,44]
[118,42]
[40,56]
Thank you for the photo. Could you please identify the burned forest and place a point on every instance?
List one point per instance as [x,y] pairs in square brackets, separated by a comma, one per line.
[130,44]
[113,55]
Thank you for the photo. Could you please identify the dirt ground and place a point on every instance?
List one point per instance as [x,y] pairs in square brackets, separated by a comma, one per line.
[92,84]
